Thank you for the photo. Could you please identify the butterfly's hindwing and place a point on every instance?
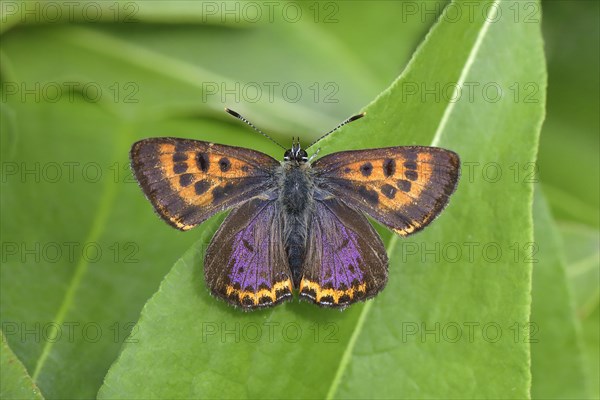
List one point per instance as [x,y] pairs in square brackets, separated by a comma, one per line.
[345,258]
[246,264]
[404,188]
[187,181]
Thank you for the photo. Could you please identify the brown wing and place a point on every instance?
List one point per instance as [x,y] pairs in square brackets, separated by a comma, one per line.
[404,187]
[246,264]
[187,181]
[345,258]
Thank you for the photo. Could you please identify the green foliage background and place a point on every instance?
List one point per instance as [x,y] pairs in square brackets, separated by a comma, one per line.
[137,322]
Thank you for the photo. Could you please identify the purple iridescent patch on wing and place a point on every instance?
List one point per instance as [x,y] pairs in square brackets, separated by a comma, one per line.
[250,258]
[345,258]
[245,263]
[341,257]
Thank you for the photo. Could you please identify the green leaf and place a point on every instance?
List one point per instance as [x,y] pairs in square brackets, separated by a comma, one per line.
[554,332]
[15,383]
[32,12]
[583,271]
[591,341]
[75,307]
[75,271]
[570,132]
[403,343]
[583,267]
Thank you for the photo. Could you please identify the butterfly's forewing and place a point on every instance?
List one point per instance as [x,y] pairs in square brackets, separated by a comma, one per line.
[345,258]
[246,264]
[187,181]
[404,188]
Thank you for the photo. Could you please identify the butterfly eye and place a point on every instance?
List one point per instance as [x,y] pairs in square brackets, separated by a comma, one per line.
[303,155]
[287,155]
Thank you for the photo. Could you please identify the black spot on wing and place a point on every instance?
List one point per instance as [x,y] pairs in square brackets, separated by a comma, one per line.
[370,196]
[410,174]
[178,157]
[366,169]
[388,191]
[224,164]
[201,187]
[186,179]
[389,167]
[180,167]
[404,185]
[410,165]
[202,161]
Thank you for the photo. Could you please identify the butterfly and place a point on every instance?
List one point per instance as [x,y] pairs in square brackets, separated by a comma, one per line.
[297,224]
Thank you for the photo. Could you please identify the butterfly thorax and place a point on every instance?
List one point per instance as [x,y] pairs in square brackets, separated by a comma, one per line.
[296,199]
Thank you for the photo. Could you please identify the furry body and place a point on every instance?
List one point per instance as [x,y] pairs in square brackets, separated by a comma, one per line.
[296,207]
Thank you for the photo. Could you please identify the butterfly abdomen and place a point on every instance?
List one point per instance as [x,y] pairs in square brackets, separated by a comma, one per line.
[296,202]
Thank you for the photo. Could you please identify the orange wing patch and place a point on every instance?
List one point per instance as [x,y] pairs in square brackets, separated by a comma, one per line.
[405,188]
[263,297]
[187,181]
[396,180]
[331,296]
[197,175]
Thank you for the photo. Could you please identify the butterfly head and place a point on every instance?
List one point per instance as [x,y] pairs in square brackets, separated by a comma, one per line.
[296,153]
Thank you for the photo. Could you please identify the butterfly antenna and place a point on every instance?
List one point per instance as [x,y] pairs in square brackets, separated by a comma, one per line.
[352,118]
[238,116]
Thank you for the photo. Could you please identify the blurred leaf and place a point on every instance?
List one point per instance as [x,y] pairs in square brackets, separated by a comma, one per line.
[381,61]
[15,383]
[139,73]
[75,270]
[32,12]
[207,349]
[554,333]
[582,248]
[591,340]
[569,158]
